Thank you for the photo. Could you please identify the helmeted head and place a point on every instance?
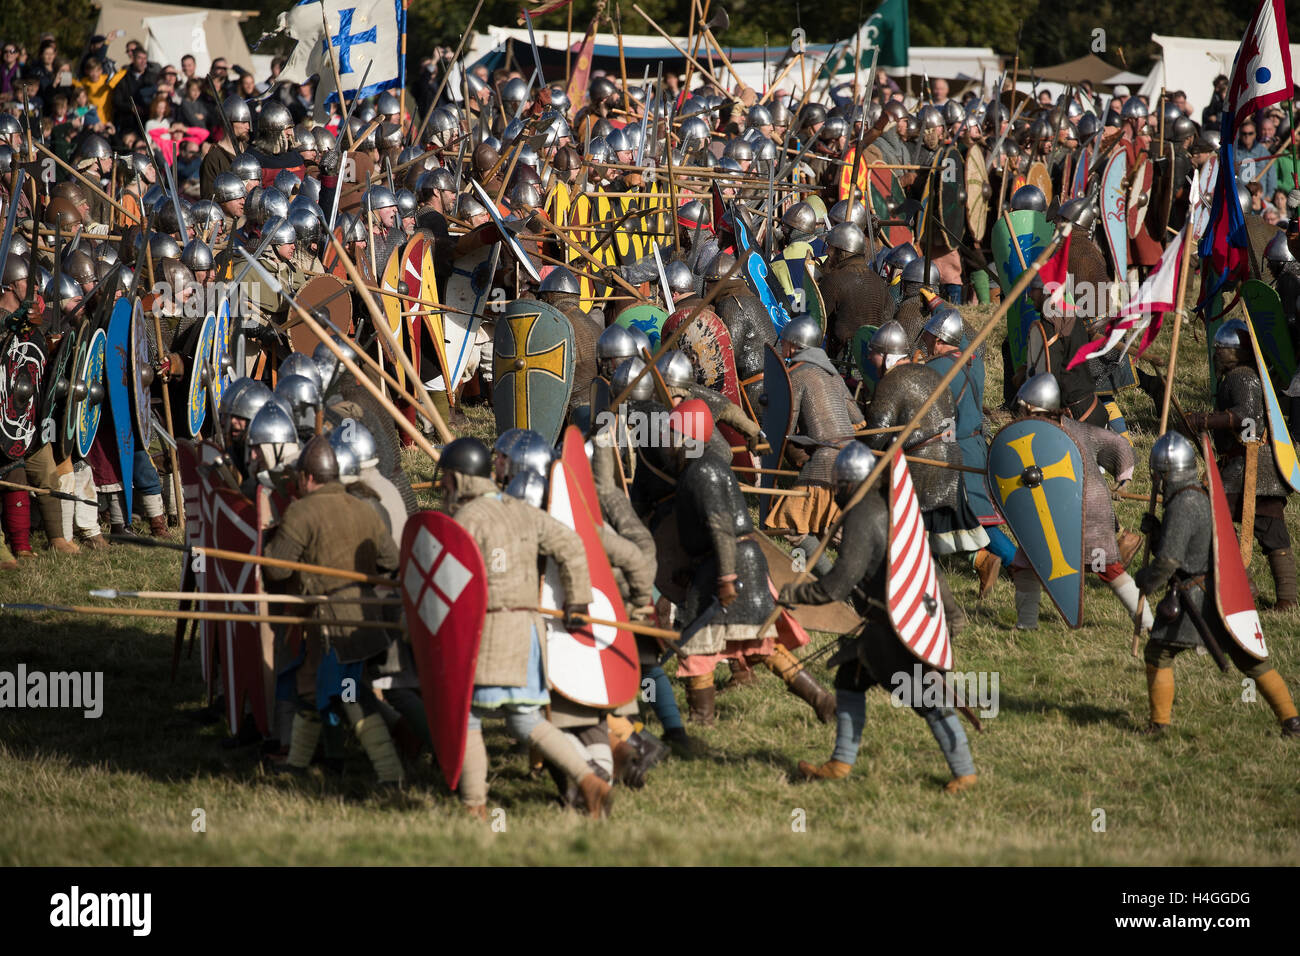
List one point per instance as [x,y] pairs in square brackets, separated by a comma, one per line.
[946,326]
[1040,395]
[850,469]
[1232,346]
[240,402]
[614,346]
[676,369]
[317,463]
[272,442]
[625,373]
[801,332]
[302,394]
[847,240]
[1173,462]
[915,276]
[560,281]
[1029,197]
[461,459]
[887,347]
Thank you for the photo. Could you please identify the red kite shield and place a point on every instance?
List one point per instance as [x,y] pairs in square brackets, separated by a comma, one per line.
[912,593]
[246,649]
[574,453]
[594,665]
[444,597]
[1231,584]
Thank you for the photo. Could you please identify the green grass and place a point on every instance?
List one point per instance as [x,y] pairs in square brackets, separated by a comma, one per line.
[1220,789]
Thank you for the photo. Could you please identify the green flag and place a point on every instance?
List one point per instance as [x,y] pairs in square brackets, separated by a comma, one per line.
[886,30]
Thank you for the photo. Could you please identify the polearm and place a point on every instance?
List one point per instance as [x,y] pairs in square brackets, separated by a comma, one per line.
[689,59]
[221,554]
[226,597]
[446,75]
[171,614]
[59,495]
[1164,415]
[85,180]
[941,389]
[857,157]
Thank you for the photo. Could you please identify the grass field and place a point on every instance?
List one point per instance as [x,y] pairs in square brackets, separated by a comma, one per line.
[1221,788]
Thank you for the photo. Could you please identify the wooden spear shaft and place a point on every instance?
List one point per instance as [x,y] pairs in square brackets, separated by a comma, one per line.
[85,180]
[175,615]
[225,597]
[220,554]
[645,629]
[689,59]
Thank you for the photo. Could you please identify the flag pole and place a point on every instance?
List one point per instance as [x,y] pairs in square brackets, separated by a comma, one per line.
[1164,410]
[401,67]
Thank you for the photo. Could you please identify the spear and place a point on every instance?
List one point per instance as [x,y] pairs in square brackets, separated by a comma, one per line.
[172,614]
[58,495]
[220,554]
[226,597]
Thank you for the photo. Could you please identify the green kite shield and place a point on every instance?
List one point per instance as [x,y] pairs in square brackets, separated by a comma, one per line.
[90,377]
[811,300]
[858,350]
[532,365]
[1035,471]
[951,210]
[1019,237]
[1271,328]
[142,375]
[648,318]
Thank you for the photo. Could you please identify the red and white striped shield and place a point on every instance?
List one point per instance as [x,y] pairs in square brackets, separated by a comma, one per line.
[1231,583]
[595,665]
[912,592]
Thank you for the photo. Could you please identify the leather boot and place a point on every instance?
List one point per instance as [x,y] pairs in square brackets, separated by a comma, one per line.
[802,684]
[830,770]
[97,543]
[741,674]
[701,700]
[597,794]
[634,758]
[958,784]
[478,813]
[1129,542]
[1282,563]
[1291,727]
[64,546]
[987,566]
[158,527]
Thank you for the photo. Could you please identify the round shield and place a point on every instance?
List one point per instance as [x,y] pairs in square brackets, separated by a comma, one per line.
[142,374]
[196,403]
[56,391]
[1139,195]
[91,406]
[75,391]
[22,367]
[1040,177]
[648,318]
[978,193]
[222,373]
[330,295]
[393,307]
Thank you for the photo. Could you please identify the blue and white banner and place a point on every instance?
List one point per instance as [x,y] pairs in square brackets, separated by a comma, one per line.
[362,33]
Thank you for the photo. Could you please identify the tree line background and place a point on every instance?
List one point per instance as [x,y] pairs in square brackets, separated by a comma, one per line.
[1053,30]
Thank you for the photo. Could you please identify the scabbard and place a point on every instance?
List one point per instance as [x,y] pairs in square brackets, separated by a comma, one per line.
[1247,539]
[1198,621]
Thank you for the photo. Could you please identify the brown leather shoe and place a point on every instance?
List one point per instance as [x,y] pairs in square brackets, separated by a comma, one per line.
[741,674]
[1129,542]
[158,527]
[700,701]
[97,543]
[597,794]
[64,546]
[830,770]
[958,784]
[1152,729]
[8,565]
[987,565]
[805,687]
[478,813]
[28,555]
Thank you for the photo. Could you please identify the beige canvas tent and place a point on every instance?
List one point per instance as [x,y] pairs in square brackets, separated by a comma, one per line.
[171,31]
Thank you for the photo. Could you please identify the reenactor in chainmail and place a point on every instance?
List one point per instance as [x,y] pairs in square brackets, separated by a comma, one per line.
[853,293]
[821,409]
[560,288]
[720,568]
[748,324]
[1181,560]
[679,376]
[872,658]
[379,211]
[1285,271]
[1103,453]
[1240,427]
[917,283]
[952,526]
[219,158]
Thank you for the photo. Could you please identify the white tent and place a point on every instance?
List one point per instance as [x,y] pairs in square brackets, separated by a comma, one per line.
[1190,64]
[170,31]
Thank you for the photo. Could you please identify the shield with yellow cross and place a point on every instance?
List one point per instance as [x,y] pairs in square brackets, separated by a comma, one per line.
[1035,471]
[532,364]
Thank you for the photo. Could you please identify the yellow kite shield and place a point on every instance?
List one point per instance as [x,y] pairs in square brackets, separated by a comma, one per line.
[1036,473]
[532,365]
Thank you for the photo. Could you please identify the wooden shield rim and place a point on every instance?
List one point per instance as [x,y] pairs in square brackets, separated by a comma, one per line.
[339,310]
[140,391]
[98,343]
[976,172]
[1120,157]
[1040,177]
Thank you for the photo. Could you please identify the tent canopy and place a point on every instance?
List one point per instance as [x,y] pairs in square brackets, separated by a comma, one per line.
[221,28]
[1092,68]
[1190,64]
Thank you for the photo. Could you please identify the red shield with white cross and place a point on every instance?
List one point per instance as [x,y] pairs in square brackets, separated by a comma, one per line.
[1231,583]
[595,665]
[912,592]
[444,596]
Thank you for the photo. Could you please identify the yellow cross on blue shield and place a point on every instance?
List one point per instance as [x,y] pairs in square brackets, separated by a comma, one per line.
[1035,472]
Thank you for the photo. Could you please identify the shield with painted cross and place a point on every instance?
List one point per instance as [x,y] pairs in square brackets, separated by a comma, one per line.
[1035,471]
[1232,597]
[592,664]
[444,597]
[532,366]
[1018,238]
